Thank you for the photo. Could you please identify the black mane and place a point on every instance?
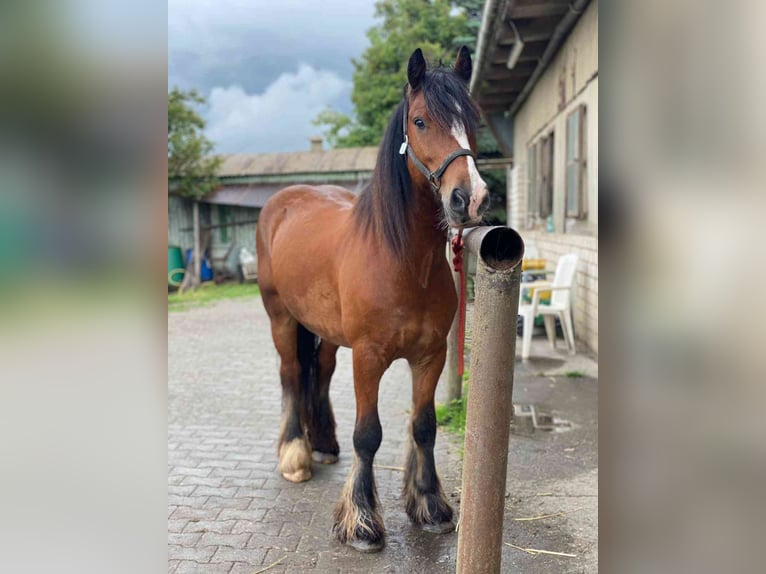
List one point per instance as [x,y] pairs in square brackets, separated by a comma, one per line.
[384,205]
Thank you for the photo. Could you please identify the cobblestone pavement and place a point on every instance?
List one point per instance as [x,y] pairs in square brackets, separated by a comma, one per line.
[230,511]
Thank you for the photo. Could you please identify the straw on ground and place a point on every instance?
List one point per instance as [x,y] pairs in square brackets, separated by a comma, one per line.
[270,566]
[542,516]
[535,551]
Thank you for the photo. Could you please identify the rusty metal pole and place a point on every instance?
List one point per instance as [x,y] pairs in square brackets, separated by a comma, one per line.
[490,407]
[454,380]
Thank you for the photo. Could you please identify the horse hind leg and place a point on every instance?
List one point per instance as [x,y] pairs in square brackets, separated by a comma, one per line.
[293,447]
[322,420]
[424,498]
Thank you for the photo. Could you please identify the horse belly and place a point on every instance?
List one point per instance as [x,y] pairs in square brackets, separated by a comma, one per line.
[317,308]
[303,275]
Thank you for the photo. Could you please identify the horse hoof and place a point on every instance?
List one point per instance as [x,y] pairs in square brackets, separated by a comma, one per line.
[441,528]
[300,475]
[366,546]
[324,457]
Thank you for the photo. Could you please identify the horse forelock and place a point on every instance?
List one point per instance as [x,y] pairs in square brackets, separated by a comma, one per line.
[448,101]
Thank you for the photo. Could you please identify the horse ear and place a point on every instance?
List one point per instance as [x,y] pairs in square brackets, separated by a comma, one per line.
[416,69]
[463,64]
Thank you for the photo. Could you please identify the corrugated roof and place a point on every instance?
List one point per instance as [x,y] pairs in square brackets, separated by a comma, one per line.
[361,159]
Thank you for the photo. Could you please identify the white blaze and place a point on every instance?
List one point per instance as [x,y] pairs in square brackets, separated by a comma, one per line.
[478,185]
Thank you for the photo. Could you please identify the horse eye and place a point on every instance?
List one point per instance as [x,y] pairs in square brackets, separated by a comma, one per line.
[419,123]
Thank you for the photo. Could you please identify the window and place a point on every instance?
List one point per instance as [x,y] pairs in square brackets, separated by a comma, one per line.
[546,176]
[224,218]
[576,188]
[531,183]
[540,179]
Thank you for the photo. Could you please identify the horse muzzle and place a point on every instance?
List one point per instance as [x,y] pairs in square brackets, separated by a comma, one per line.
[466,209]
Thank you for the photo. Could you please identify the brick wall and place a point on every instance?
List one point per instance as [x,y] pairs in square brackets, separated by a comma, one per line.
[551,246]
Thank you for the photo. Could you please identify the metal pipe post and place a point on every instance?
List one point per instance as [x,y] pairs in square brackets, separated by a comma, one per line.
[490,405]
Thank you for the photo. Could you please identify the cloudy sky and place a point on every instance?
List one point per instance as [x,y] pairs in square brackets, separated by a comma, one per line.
[267,68]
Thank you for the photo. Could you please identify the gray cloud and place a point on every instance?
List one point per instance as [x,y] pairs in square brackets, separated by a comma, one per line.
[279,119]
[241,51]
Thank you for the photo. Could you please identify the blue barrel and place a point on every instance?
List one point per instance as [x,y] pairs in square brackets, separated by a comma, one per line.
[206,270]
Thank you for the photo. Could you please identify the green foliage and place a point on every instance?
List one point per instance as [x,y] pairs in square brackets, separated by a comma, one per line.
[381,72]
[452,415]
[472,9]
[190,167]
[208,293]
[575,374]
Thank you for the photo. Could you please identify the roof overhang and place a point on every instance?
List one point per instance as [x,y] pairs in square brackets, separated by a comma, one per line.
[517,41]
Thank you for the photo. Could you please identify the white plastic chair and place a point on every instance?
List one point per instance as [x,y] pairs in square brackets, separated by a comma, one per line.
[561,306]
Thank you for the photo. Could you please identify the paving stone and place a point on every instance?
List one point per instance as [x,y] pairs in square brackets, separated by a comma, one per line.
[220,526]
[230,511]
[198,481]
[254,515]
[177,525]
[218,491]
[220,502]
[191,471]
[201,554]
[190,567]
[191,513]
[216,539]
[184,538]
[253,557]
[269,528]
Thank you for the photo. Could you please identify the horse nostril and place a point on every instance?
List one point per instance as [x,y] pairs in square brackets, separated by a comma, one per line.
[459,200]
[484,204]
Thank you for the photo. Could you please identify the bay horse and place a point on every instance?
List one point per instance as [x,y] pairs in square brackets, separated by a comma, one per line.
[369,272]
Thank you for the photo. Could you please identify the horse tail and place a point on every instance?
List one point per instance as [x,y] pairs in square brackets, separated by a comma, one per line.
[308,357]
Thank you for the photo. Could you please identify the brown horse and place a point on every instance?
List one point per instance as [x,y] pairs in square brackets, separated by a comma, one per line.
[370,273]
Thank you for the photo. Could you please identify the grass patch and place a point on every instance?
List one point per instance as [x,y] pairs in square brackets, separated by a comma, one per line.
[452,415]
[209,293]
[575,374]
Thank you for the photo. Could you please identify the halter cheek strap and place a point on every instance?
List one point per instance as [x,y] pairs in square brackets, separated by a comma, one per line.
[433,177]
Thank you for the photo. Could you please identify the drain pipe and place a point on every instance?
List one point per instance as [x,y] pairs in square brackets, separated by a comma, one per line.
[485,461]
[559,35]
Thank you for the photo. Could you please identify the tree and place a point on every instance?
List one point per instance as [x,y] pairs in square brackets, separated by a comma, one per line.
[191,169]
[381,72]
[439,28]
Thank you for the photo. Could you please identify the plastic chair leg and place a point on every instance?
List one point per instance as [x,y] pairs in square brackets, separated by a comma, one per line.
[566,324]
[526,342]
[550,329]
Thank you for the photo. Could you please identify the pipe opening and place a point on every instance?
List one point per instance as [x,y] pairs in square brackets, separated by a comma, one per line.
[502,248]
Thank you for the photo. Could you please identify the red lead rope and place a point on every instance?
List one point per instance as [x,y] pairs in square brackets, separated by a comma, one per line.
[457,264]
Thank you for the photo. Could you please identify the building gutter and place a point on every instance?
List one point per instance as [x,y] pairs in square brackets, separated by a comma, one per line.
[494,11]
[566,24]
[288,178]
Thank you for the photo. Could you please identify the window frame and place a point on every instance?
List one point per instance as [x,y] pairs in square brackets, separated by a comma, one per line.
[225,217]
[576,160]
[540,178]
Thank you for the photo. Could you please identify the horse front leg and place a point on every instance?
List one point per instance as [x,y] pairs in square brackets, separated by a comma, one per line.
[357,520]
[424,498]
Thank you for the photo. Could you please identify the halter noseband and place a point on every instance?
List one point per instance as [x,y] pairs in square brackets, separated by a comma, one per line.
[433,177]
